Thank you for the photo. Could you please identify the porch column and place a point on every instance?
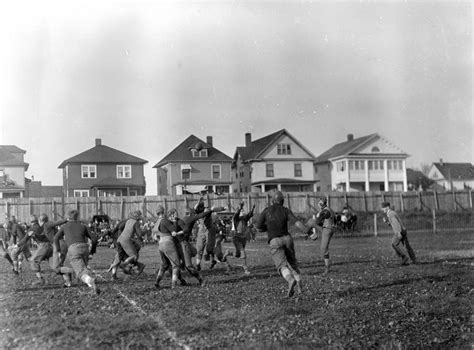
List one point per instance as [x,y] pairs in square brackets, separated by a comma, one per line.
[348,181]
[385,173]
[405,185]
[367,183]
[279,187]
[263,187]
[214,188]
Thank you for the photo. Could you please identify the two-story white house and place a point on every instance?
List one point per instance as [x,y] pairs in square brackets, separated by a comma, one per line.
[274,162]
[194,166]
[457,176]
[368,163]
[12,171]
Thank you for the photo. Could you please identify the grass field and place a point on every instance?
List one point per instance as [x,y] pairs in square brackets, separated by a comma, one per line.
[368,301]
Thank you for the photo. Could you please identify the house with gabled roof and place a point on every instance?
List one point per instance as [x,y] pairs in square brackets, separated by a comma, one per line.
[194,166]
[12,171]
[452,176]
[103,171]
[274,162]
[368,163]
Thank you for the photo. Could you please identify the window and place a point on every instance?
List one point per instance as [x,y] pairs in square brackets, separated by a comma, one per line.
[124,171]
[351,165]
[2,172]
[216,171]
[298,170]
[269,170]
[284,148]
[185,174]
[89,171]
[199,154]
[341,166]
[381,164]
[316,169]
[389,165]
[81,193]
[133,193]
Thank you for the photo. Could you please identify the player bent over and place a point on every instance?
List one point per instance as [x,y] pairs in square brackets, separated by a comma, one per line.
[77,235]
[399,234]
[128,240]
[16,252]
[274,220]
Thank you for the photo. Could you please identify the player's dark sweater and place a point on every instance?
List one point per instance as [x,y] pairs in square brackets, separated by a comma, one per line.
[274,219]
[73,232]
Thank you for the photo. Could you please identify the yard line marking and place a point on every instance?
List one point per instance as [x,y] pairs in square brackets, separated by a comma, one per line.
[157,318]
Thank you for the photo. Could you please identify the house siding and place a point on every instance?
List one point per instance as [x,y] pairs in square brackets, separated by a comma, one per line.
[201,173]
[75,182]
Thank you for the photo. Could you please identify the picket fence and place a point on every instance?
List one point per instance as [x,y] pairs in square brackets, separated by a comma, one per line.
[299,202]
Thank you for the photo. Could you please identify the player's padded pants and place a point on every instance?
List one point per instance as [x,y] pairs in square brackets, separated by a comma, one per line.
[283,253]
[402,238]
[326,236]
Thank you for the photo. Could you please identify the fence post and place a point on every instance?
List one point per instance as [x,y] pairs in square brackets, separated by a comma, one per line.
[268,199]
[470,198]
[144,211]
[99,206]
[375,225]
[122,206]
[31,207]
[249,202]
[434,221]
[165,204]
[229,207]
[53,209]
[288,200]
[7,209]
[454,201]
[365,202]
[436,200]
[402,205]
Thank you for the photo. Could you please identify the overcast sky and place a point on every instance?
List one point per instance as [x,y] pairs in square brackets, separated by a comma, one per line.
[143,77]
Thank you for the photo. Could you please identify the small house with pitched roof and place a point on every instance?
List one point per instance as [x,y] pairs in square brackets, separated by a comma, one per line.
[194,166]
[368,163]
[452,176]
[12,171]
[275,162]
[103,171]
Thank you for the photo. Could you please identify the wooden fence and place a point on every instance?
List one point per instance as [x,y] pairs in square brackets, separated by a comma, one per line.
[120,207]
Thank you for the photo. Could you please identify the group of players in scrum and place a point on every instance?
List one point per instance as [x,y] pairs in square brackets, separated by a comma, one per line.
[71,238]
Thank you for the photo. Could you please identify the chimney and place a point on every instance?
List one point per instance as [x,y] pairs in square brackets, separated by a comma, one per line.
[441,161]
[98,142]
[209,140]
[350,137]
[248,139]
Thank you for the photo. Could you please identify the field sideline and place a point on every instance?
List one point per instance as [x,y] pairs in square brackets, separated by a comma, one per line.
[368,301]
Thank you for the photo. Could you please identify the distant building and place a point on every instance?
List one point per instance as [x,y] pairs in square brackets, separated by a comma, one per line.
[12,171]
[368,163]
[103,171]
[35,189]
[451,176]
[194,166]
[417,181]
[275,162]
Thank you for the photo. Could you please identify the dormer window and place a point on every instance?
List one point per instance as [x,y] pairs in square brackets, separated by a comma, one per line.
[284,148]
[375,149]
[199,154]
